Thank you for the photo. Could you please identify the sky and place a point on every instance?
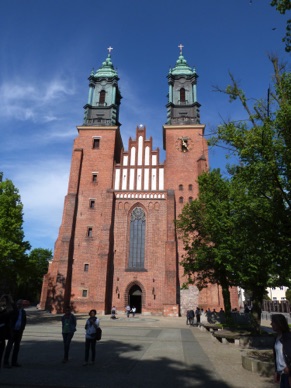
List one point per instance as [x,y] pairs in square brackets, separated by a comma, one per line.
[48,49]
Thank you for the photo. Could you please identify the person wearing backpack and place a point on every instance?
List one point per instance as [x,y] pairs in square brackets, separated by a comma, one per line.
[91,326]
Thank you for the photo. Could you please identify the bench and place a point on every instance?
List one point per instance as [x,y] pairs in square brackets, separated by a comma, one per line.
[228,336]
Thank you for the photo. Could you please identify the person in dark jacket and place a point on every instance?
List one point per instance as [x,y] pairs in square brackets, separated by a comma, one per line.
[7,308]
[282,350]
[17,326]
[69,325]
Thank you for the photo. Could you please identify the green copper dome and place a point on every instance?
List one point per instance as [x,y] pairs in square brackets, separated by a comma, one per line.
[106,70]
[182,67]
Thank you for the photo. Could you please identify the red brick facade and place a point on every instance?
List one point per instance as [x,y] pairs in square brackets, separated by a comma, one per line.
[92,265]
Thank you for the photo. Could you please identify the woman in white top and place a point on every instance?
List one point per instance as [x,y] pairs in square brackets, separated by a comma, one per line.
[282,350]
[92,324]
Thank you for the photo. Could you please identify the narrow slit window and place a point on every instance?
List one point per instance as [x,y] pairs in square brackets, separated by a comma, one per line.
[94,177]
[92,204]
[84,293]
[102,97]
[90,232]
[86,267]
[182,95]
[96,143]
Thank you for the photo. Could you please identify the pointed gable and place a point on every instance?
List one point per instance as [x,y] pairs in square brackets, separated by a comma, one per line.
[139,169]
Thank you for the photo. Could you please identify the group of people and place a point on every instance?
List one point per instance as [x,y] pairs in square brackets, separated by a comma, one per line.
[69,326]
[13,322]
[190,316]
[12,325]
[130,310]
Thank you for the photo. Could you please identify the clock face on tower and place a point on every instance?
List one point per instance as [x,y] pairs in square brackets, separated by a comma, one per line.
[184,144]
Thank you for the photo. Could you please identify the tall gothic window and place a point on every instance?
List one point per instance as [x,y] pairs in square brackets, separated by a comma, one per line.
[137,238]
[182,95]
[102,97]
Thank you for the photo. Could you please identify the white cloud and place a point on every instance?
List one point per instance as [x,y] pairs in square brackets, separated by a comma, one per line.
[37,102]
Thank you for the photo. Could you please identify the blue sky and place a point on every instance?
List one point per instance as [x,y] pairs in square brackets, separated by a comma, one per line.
[48,49]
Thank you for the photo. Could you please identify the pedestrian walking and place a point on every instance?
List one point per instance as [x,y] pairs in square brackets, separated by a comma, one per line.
[69,326]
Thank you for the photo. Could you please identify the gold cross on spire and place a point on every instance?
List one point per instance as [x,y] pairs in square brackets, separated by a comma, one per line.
[181,48]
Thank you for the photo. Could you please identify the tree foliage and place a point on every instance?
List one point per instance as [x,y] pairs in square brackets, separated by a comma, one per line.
[262,147]
[20,272]
[283,6]
[12,244]
[206,228]
[242,225]
[36,266]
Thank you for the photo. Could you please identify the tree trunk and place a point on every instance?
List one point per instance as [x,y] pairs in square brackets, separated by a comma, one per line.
[226,300]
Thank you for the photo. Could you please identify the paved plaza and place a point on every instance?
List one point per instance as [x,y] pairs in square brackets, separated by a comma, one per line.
[144,351]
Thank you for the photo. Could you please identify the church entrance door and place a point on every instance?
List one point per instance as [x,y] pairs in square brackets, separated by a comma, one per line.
[135,298]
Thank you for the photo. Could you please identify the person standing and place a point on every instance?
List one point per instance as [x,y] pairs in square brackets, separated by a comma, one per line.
[133,310]
[6,310]
[69,326]
[198,314]
[90,339]
[191,316]
[282,350]
[17,326]
[113,313]
[127,310]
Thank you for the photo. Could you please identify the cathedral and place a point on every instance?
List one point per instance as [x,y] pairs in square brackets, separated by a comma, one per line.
[117,243]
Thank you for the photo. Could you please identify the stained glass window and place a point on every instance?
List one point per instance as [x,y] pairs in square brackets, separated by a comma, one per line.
[137,238]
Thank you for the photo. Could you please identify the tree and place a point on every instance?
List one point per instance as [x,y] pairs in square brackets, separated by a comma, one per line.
[262,146]
[223,242]
[283,6]
[206,228]
[36,266]
[238,231]
[12,244]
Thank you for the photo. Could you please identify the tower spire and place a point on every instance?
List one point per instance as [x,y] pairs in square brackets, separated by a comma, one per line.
[104,95]
[182,107]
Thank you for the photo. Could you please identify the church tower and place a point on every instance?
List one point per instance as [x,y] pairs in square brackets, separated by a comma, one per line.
[83,255]
[185,145]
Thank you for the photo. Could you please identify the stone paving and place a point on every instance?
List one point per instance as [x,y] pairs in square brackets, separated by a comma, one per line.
[138,352]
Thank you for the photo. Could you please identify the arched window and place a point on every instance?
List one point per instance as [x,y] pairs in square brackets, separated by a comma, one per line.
[190,199]
[181,187]
[137,238]
[181,199]
[102,97]
[182,95]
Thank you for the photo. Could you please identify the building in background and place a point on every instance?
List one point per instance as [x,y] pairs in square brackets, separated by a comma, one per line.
[117,244]
[277,294]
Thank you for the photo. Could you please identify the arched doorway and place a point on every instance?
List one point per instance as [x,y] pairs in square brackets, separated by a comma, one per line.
[135,298]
